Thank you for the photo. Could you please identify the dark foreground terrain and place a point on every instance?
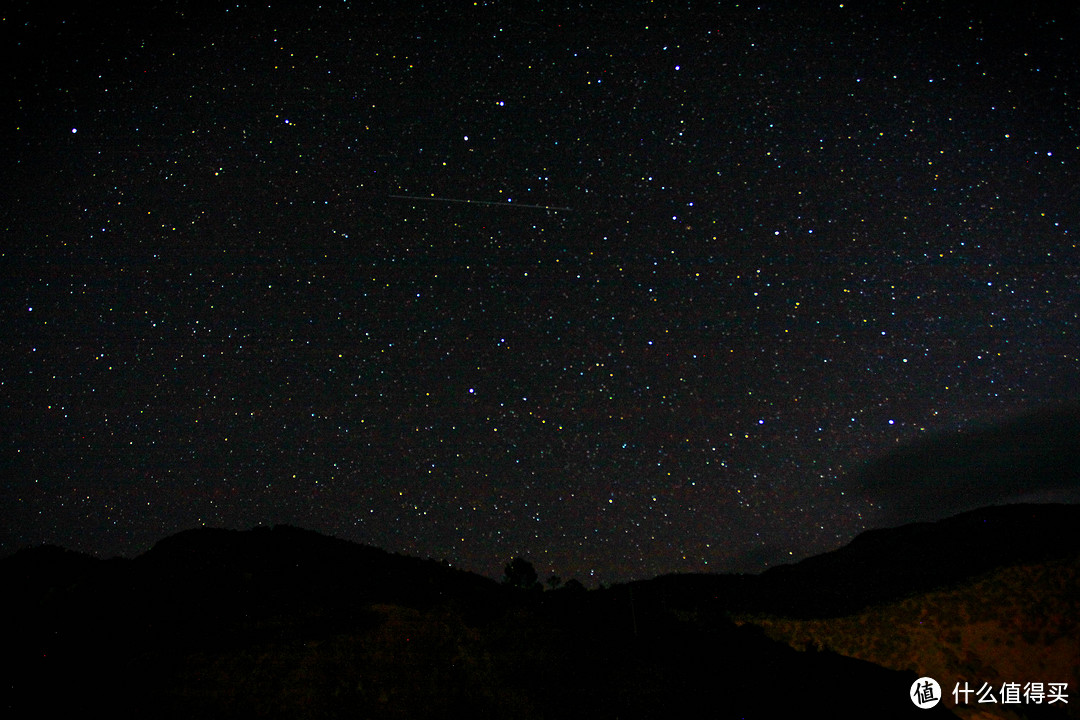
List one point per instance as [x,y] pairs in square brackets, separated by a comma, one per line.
[286,623]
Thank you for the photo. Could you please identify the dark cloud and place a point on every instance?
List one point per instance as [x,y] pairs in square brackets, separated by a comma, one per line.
[1035,457]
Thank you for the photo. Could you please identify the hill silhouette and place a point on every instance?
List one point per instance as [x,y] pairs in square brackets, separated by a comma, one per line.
[1015,624]
[285,622]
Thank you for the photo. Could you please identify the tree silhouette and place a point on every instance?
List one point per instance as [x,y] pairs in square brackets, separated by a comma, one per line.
[520,573]
[573,585]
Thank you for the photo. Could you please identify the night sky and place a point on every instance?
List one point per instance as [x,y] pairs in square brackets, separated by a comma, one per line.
[623,291]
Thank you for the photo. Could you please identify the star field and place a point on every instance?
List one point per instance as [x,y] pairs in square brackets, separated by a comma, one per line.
[241,286]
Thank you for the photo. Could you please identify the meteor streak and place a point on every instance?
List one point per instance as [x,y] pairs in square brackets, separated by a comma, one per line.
[508,204]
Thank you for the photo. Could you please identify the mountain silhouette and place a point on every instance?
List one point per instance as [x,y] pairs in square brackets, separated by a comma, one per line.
[285,622]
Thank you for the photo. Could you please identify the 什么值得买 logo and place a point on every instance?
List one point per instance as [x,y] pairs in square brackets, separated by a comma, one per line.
[925,693]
